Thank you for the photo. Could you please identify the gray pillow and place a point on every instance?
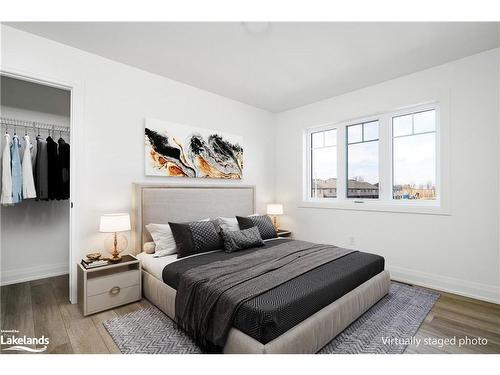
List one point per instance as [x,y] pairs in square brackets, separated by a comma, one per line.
[262,222]
[241,239]
[195,237]
[228,223]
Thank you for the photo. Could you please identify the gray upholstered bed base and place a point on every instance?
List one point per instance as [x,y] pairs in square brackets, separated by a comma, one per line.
[307,337]
[162,203]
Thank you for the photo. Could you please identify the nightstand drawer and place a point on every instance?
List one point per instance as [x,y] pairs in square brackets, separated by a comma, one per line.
[114,297]
[104,284]
[109,286]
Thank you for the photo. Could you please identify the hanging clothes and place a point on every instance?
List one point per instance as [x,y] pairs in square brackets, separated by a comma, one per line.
[64,162]
[34,147]
[28,183]
[17,175]
[42,170]
[54,169]
[6,197]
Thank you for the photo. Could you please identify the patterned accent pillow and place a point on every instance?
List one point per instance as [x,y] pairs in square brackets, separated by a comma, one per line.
[262,222]
[241,239]
[196,237]
[205,236]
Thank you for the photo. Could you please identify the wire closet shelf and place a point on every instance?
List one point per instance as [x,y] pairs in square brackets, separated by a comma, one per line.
[24,124]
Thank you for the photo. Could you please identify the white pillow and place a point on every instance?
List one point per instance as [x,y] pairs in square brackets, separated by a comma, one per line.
[149,247]
[228,223]
[162,253]
[163,238]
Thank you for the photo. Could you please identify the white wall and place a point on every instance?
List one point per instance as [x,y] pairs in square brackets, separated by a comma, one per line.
[116,99]
[35,239]
[460,252]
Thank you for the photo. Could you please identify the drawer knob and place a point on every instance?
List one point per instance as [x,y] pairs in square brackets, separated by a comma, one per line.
[115,290]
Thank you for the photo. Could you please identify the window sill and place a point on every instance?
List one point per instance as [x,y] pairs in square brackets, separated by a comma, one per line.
[424,208]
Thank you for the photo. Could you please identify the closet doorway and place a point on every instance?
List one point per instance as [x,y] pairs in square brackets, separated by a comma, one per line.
[35,228]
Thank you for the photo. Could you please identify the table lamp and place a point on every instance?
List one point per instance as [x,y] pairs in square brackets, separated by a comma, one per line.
[275,209]
[114,223]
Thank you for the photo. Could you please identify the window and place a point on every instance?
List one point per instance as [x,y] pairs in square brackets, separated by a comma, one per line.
[324,164]
[391,161]
[414,156]
[362,160]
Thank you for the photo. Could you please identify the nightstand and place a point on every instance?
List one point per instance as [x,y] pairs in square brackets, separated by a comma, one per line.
[284,233]
[105,287]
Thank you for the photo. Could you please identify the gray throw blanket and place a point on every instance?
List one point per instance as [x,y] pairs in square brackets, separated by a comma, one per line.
[208,296]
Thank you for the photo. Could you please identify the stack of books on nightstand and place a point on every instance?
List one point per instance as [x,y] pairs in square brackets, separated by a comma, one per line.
[89,263]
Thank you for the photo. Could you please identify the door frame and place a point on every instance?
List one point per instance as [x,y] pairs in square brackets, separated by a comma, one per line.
[76,141]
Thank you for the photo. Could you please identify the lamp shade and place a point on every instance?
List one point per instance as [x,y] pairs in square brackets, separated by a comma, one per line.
[275,209]
[114,223]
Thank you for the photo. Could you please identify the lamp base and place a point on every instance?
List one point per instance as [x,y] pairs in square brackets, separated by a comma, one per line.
[275,223]
[114,245]
[115,257]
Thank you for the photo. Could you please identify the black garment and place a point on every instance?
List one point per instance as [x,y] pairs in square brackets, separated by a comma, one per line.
[42,172]
[64,165]
[54,170]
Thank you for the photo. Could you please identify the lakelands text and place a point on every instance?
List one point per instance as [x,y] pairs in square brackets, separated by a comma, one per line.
[23,340]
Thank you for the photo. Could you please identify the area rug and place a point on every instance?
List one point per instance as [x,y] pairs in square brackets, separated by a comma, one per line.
[382,329]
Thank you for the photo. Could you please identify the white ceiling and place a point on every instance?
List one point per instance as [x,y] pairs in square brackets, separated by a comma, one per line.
[284,66]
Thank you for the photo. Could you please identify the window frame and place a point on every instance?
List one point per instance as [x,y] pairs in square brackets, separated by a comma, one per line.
[311,159]
[419,109]
[346,177]
[308,159]
[385,201]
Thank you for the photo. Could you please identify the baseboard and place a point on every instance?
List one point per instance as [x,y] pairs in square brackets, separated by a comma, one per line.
[20,275]
[484,292]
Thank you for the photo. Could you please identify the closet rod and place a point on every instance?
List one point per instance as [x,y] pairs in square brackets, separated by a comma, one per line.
[11,122]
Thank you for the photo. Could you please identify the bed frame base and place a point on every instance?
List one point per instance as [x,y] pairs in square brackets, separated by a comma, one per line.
[307,337]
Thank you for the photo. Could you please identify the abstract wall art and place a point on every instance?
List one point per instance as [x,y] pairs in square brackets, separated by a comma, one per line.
[185,151]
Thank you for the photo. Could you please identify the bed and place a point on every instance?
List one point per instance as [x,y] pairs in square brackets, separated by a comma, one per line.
[299,316]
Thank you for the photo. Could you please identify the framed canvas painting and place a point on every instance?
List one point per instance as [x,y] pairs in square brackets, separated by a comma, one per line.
[185,151]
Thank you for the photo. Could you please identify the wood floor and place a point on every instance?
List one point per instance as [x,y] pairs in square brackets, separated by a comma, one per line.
[42,308]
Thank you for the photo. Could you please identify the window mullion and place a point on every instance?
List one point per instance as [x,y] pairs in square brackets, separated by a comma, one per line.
[385,158]
[341,162]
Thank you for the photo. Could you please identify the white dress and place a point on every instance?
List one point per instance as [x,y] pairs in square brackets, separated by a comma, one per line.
[28,182]
[6,173]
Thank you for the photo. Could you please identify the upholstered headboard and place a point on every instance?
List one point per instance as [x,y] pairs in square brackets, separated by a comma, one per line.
[160,203]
